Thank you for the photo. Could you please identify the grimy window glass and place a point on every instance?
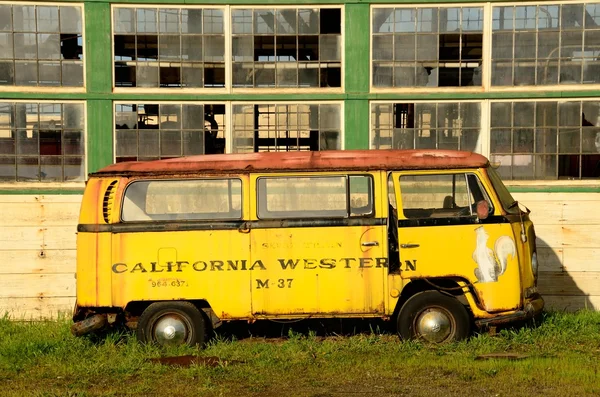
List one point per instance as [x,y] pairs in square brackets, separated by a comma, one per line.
[286,47]
[315,197]
[169,47]
[286,127]
[42,141]
[427,47]
[436,196]
[167,130]
[441,125]
[194,199]
[546,44]
[546,139]
[41,45]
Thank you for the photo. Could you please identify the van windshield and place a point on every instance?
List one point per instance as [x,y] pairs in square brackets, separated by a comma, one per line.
[506,199]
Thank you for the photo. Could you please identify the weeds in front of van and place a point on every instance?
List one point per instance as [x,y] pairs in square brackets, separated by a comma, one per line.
[559,355]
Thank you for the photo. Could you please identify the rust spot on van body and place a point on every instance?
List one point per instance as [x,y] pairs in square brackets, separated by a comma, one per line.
[390,159]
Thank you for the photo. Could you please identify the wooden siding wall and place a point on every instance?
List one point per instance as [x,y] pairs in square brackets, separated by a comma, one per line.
[568,230]
[37,252]
[37,255]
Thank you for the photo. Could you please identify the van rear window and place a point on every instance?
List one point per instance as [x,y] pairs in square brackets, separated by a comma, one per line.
[315,197]
[193,199]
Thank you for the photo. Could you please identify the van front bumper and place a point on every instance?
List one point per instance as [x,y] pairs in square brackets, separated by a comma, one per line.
[533,306]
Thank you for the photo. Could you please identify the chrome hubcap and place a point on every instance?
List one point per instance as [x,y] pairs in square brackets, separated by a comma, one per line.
[434,325]
[171,330]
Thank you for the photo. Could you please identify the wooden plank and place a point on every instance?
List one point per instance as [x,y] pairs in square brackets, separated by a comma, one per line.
[37,285]
[27,309]
[30,261]
[563,236]
[547,212]
[569,259]
[570,212]
[37,238]
[550,259]
[38,214]
[581,259]
[572,303]
[569,283]
[37,198]
[530,198]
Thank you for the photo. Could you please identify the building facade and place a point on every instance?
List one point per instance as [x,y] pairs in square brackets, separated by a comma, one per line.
[86,84]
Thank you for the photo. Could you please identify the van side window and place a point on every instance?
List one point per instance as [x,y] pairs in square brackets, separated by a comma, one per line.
[193,199]
[439,196]
[315,197]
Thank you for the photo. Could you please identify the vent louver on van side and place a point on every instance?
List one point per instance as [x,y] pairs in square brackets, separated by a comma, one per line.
[107,203]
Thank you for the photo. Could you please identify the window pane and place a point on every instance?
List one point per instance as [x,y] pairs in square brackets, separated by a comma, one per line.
[70,19]
[302,197]
[435,196]
[361,195]
[146,20]
[183,200]
[47,19]
[241,21]
[168,20]
[124,20]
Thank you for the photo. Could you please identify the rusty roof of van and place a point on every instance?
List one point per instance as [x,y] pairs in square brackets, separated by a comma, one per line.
[387,159]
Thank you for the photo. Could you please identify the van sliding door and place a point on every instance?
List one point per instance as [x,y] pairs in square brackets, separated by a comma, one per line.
[318,246]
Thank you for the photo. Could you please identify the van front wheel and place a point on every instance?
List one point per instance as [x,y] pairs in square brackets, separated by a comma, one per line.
[433,317]
[172,323]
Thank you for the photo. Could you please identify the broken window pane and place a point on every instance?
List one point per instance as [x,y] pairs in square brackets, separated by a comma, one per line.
[39,33]
[286,127]
[544,52]
[152,131]
[442,125]
[451,58]
[545,139]
[262,57]
[37,139]
[188,42]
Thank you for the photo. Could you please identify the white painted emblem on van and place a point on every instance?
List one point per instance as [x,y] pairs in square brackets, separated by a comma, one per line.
[492,263]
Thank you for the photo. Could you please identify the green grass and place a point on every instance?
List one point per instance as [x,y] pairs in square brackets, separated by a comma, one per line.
[562,359]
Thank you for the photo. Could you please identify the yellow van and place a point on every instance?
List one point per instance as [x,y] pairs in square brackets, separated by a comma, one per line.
[430,239]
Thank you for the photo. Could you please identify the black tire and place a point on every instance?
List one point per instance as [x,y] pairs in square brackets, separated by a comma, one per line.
[181,323]
[430,310]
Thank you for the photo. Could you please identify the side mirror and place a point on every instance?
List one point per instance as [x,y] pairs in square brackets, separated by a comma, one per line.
[483,209]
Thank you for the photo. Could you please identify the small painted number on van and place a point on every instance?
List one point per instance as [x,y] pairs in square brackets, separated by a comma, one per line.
[281,283]
[168,283]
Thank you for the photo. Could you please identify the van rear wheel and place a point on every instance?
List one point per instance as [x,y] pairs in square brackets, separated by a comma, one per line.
[433,317]
[172,324]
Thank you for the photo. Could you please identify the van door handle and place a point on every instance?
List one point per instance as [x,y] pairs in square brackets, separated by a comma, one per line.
[409,245]
[370,244]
